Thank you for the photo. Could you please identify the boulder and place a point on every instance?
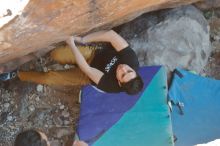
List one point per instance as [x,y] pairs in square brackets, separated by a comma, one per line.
[173,38]
[41,23]
[208,4]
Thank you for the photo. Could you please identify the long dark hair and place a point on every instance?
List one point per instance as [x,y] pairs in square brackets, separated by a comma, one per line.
[133,86]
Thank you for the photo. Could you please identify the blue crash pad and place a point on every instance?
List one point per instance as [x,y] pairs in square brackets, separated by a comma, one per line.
[108,119]
[199,100]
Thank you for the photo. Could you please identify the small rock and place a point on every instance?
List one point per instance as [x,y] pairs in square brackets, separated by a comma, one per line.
[49,122]
[45,69]
[6,105]
[41,115]
[12,127]
[40,88]
[56,67]
[31,108]
[58,121]
[29,124]
[67,66]
[12,133]
[217,38]
[62,107]
[9,118]
[55,143]
[30,97]
[66,114]
[37,98]
[66,122]
[63,132]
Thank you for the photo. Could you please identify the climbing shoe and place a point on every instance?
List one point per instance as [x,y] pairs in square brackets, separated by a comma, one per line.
[8,75]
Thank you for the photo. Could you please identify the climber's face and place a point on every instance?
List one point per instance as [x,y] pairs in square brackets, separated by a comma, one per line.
[125,73]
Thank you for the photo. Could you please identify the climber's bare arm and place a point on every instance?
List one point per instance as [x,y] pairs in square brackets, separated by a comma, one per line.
[93,73]
[111,36]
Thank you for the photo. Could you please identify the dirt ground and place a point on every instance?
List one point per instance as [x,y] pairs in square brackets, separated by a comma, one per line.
[55,110]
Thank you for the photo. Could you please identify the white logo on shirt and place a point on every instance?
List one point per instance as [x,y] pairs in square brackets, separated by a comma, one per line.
[108,66]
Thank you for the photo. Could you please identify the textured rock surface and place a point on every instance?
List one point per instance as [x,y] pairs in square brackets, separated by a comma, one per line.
[213,67]
[208,4]
[44,22]
[174,38]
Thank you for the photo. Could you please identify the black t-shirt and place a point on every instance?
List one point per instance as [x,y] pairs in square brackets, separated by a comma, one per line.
[107,60]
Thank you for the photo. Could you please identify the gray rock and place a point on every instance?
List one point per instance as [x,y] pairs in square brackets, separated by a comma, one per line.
[9,118]
[58,121]
[12,102]
[66,122]
[31,108]
[62,107]
[56,67]
[208,4]
[67,66]
[37,98]
[65,114]
[55,143]
[62,132]
[45,69]
[6,105]
[40,88]
[174,38]
[41,116]
[50,122]
[29,124]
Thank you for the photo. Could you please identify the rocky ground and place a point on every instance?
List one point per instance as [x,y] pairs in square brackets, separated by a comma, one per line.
[212,69]
[55,110]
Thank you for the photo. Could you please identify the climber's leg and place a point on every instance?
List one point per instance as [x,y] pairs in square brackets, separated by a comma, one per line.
[64,54]
[64,78]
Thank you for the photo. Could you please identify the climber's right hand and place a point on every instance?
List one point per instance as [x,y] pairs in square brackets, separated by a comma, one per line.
[71,41]
[79,39]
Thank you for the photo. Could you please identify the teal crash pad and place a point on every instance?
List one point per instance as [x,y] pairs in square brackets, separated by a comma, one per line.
[144,122]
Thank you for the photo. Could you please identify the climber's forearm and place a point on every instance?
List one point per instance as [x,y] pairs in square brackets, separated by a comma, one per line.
[93,73]
[99,36]
[80,60]
[106,36]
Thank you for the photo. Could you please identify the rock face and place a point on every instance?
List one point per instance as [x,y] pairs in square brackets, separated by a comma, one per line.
[44,22]
[174,38]
[208,4]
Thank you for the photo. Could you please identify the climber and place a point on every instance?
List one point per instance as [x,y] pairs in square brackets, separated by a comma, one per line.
[110,69]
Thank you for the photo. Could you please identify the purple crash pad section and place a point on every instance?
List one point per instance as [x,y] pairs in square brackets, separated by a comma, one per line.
[100,111]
